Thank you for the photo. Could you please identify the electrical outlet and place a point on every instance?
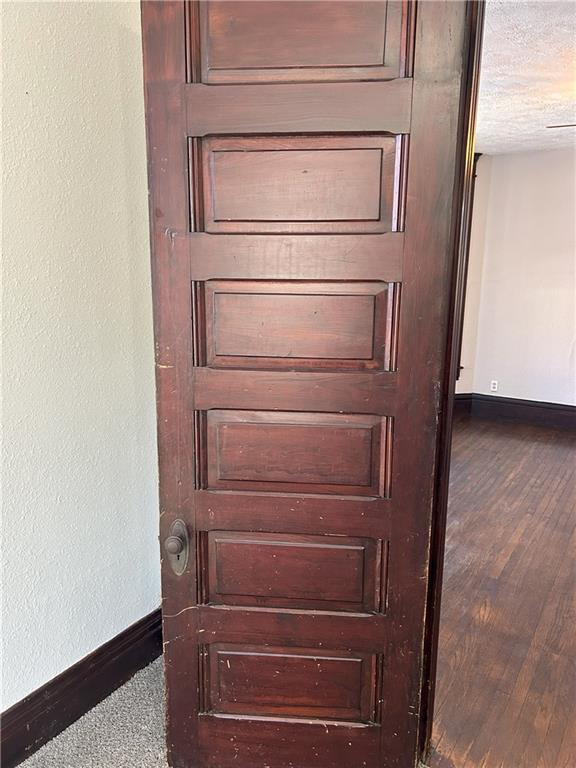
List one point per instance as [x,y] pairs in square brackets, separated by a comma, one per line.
[493,386]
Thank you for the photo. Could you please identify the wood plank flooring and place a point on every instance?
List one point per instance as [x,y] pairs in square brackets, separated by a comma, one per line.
[506,694]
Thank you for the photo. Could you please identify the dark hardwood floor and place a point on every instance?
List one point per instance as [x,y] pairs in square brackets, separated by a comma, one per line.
[506,695]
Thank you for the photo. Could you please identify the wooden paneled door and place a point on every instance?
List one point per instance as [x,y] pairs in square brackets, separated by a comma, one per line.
[305,161]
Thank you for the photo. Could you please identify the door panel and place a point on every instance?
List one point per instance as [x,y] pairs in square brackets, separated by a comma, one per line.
[294,571]
[284,42]
[304,326]
[298,184]
[277,452]
[284,682]
[303,163]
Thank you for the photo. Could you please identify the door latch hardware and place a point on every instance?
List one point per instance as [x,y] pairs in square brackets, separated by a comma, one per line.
[177,547]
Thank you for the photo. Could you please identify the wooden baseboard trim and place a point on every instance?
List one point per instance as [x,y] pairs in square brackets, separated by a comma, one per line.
[555,415]
[462,404]
[39,717]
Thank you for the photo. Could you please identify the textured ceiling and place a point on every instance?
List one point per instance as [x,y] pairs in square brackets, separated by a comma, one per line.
[528,76]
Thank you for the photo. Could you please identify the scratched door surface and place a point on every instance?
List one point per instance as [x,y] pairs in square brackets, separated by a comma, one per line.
[303,158]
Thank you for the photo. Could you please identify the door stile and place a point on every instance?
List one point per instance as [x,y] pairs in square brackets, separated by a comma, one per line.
[164,72]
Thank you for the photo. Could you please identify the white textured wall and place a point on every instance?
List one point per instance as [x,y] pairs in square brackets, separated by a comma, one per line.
[526,313]
[79,519]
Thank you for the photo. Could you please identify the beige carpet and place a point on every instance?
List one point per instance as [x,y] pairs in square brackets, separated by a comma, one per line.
[126,730]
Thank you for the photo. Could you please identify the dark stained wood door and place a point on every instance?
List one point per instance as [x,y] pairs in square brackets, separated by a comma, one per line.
[304,166]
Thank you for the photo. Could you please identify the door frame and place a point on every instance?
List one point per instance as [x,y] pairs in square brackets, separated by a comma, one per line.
[460,237]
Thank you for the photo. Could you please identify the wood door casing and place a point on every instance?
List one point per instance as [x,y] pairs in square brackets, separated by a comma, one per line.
[303,162]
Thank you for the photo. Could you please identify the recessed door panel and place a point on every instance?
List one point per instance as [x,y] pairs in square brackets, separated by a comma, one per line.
[294,571]
[291,682]
[304,326]
[299,184]
[250,42]
[297,452]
